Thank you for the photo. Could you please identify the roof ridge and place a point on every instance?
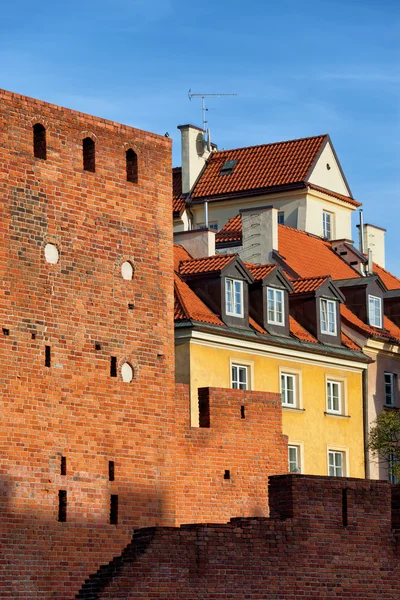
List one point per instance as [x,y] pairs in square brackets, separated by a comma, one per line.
[311,277]
[311,137]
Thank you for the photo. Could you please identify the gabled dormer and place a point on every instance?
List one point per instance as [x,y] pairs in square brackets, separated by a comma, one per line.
[222,282]
[269,298]
[315,304]
[364,297]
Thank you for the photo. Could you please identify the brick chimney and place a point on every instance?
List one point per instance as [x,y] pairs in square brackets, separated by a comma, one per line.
[259,234]
[194,154]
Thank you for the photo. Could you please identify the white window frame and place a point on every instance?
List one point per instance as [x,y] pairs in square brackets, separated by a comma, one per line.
[234,313]
[345,459]
[372,313]
[327,224]
[235,380]
[274,320]
[333,467]
[389,379]
[298,449]
[284,378]
[328,303]
[330,383]
[211,225]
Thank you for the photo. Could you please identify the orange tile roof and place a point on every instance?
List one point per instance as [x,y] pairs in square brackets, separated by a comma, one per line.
[391,281]
[209,264]
[259,271]
[389,330]
[256,326]
[188,305]
[298,331]
[308,284]
[180,253]
[334,194]
[178,203]
[258,167]
[349,343]
[306,254]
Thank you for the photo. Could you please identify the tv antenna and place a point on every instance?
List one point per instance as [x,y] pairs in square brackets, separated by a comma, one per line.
[204,109]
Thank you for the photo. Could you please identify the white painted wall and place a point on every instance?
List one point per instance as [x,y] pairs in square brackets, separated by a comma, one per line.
[332,178]
[374,239]
[198,243]
[194,155]
[341,224]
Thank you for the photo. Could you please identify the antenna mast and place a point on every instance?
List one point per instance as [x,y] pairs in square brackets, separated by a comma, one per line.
[203,104]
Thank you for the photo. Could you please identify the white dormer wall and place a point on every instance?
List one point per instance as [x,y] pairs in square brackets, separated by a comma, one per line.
[194,154]
[330,178]
[318,203]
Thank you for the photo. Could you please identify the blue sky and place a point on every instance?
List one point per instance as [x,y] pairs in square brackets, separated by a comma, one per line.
[299,69]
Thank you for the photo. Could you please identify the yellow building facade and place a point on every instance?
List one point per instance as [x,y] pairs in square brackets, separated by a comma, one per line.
[324,424]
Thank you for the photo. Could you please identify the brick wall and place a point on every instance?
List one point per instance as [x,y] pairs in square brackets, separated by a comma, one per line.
[222,468]
[74,408]
[311,554]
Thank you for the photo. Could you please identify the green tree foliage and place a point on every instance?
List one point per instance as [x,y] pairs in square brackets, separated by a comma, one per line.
[384,440]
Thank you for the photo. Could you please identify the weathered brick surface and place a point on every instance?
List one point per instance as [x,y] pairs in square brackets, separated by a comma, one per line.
[310,555]
[74,408]
[244,437]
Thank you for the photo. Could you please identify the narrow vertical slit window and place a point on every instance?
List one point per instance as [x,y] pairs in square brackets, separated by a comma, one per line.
[227,474]
[113,366]
[62,505]
[39,141]
[114,509]
[47,356]
[111,471]
[63,465]
[242,412]
[131,166]
[89,155]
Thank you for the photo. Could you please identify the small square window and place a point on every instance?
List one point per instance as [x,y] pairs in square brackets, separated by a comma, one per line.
[281,217]
[375,311]
[336,463]
[234,297]
[334,397]
[228,167]
[327,224]
[294,459]
[240,377]
[289,390]
[328,316]
[275,299]
[390,381]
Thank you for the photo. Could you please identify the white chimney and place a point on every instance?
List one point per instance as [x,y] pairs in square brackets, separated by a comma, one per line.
[194,154]
[259,234]
[374,240]
[198,242]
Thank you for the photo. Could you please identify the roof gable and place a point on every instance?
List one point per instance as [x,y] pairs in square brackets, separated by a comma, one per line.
[327,172]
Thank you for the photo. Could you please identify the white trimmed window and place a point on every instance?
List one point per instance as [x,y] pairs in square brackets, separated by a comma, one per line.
[234,297]
[336,463]
[281,217]
[288,390]
[276,315]
[240,377]
[390,379]
[375,311]
[294,459]
[327,224]
[328,316]
[333,396]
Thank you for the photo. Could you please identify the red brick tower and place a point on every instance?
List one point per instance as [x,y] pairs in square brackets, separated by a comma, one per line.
[85,305]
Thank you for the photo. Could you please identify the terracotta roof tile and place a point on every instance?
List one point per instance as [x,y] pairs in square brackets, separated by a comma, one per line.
[188,305]
[180,253]
[391,281]
[259,167]
[308,284]
[259,271]
[210,264]
[299,332]
[306,254]
[178,203]
[346,341]
[256,326]
[334,194]
[389,330]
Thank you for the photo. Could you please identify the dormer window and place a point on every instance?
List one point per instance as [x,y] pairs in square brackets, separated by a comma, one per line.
[234,297]
[276,315]
[328,316]
[375,311]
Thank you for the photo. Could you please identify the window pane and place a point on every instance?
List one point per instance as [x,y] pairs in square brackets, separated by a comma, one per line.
[238,297]
[228,284]
[271,305]
[331,317]
[279,306]
[294,466]
[324,315]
